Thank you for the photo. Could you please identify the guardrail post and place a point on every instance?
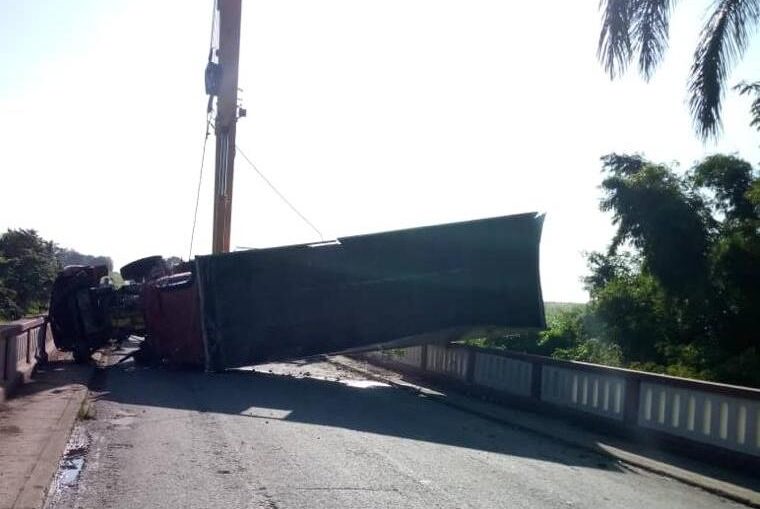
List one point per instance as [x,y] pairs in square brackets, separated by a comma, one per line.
[631,405]
[6,358]
[423,357]
[470,371]
[11,356]
[41,348]
[4,363]
[535,380]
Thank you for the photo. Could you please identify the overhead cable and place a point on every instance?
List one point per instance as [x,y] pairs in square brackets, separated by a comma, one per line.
[278,193]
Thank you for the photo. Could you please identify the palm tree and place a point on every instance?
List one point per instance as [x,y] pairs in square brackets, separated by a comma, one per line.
[638,30]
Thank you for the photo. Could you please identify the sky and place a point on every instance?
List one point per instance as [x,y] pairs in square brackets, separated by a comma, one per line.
[368,115]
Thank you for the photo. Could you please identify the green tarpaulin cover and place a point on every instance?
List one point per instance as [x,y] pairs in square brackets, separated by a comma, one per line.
[288,302]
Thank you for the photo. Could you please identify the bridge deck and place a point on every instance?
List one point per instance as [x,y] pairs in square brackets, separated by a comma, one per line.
[312,435]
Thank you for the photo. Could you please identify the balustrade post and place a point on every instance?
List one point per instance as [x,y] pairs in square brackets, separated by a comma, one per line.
[6,355]
[423,357]
[536,373]
[631,405]
[470,371]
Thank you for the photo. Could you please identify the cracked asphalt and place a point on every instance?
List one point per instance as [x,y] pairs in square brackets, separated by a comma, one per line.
[311,435]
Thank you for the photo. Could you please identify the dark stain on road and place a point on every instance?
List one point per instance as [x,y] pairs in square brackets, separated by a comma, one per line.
[10,430]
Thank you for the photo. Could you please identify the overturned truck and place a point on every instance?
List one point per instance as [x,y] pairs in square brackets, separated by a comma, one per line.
[362,292]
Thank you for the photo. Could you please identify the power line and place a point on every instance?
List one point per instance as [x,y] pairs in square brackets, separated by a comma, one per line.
[200,181]
[209,124]
[213,23]
[205,138]
[282,197]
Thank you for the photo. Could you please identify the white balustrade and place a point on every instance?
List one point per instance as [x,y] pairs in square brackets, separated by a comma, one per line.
[704,416]
[447,361]
[587,391]
[503,373]
[724,416]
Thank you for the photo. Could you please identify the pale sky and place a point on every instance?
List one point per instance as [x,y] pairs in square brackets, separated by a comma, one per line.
[367,115]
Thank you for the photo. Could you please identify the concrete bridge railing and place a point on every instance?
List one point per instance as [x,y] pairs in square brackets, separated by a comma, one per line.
[705,417]
[20,343]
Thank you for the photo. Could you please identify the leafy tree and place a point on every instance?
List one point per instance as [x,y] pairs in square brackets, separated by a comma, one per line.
[753,196]
[72,257]
[634,314]
[661,218]
[28,267]
[592,350]
[679,286]
[572,334]
[565,329]
[730,180]
[678,289]
[735,249]
[638,30]
[8,308]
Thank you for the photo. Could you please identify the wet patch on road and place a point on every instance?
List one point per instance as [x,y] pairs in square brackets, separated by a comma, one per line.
[71,464]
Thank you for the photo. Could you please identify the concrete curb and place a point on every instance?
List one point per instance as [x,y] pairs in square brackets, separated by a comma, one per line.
[39,475]
[583,440]
[34,491]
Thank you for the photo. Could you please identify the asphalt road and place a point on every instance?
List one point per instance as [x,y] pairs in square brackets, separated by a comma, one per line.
[314,436]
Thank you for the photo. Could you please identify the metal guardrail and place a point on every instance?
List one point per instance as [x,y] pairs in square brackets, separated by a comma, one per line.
[711,414]
[19,349]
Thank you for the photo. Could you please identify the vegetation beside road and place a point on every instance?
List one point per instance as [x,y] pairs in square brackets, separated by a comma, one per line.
[28,267]
[678,289]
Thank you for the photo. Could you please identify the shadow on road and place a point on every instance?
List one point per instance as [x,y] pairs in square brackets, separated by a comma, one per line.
[52,376]
[376,409]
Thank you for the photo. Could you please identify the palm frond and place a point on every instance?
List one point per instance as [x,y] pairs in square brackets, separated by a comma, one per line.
[723,39]
[752,89]
[651,23]
[614,50]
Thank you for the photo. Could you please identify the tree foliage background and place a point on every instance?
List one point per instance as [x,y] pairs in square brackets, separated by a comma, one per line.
[71,257]
[678,289]
[28,267]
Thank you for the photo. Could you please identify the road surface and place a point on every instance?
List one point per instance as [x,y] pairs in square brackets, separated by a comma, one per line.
[313,436]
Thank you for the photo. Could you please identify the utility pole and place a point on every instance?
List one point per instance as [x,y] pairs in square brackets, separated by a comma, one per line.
[226,119]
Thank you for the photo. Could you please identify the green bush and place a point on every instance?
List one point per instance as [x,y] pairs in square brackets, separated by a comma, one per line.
[678,289]
[28,267]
